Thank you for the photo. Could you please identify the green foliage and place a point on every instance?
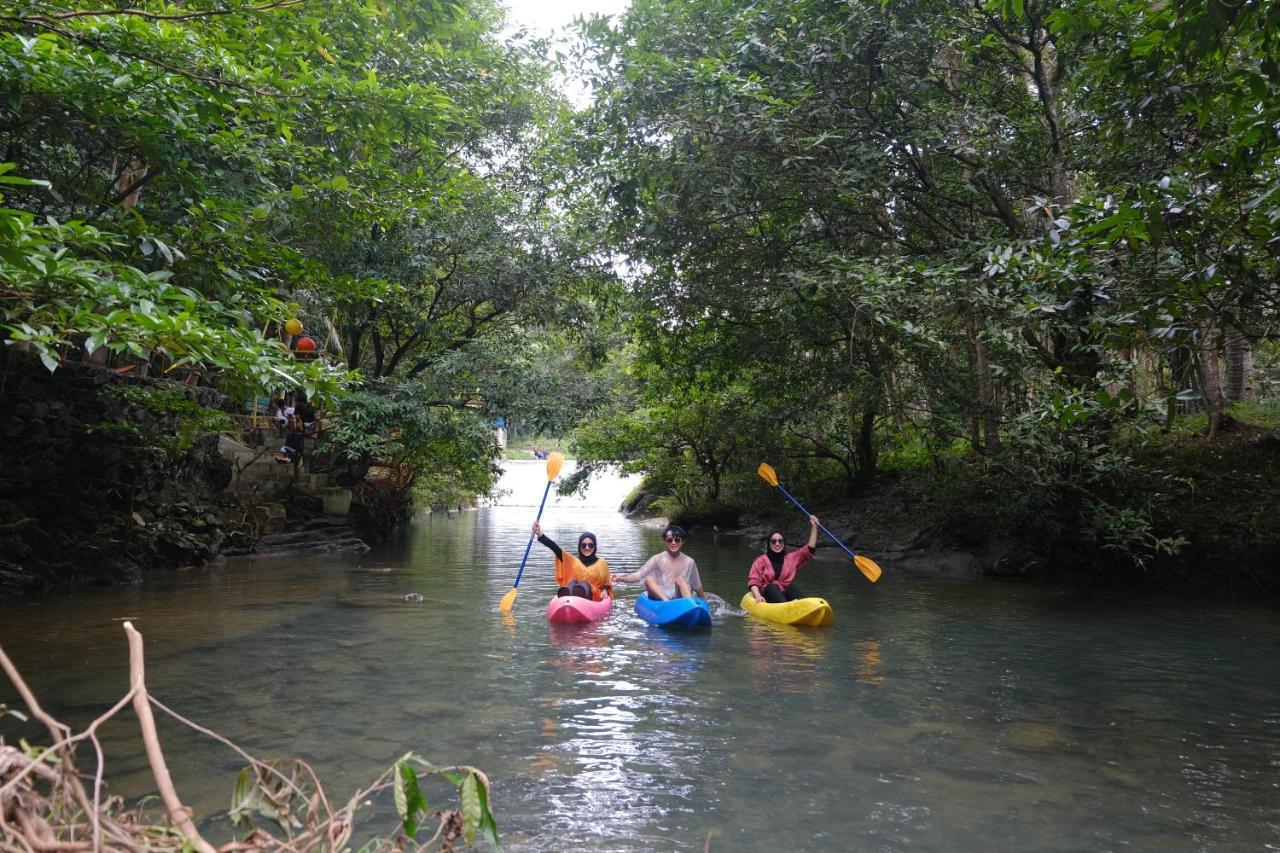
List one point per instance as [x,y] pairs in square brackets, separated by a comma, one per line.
[1012,229]
[286,793]
[1225,498]
[915,454]
[176,422]
[1129,531]
[1016,227]
[411,804]
[684,430]
[1065,458]
[473,789]
[62,296]
[198,174]
[400,427]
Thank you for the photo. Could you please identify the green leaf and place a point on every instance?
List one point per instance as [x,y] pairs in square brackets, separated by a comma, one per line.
[488,825]
[410,801]
[243,795]
[472,810]
[95,340]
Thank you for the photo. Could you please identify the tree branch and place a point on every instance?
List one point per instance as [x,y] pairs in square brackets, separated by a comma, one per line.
[178,813]
[156,16]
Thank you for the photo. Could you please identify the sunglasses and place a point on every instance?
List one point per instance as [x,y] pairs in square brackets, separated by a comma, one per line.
[777,540]
[587,544]
[673,538]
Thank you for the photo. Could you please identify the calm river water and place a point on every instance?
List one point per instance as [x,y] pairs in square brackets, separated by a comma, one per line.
[933,715]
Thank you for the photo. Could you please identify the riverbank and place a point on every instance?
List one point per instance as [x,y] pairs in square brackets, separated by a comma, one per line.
[108,476]
[1217,504]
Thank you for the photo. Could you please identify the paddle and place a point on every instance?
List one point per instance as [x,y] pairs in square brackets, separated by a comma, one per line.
[554,461]
[865,565]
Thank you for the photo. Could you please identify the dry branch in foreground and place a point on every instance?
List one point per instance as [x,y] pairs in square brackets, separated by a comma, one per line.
[46,806]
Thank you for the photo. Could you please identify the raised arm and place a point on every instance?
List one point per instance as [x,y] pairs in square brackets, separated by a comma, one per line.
[813,532]
[547,540]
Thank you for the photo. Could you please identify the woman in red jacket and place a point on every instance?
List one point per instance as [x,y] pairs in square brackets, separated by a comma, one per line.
[773,574]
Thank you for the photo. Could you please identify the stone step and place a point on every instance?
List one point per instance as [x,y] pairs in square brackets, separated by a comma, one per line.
[275,473]
[260,473]
[316,483]
[337,500]
[240,454]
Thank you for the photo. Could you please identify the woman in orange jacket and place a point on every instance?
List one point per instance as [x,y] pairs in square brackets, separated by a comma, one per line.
[585,574]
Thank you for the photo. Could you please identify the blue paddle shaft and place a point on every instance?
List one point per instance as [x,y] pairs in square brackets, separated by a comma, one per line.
[545,492]
[821,526]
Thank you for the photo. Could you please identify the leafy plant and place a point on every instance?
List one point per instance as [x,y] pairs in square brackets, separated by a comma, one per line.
[190,420]
[401,429]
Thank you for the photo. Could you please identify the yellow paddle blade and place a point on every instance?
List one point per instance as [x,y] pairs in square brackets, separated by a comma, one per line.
[554,461]
[866,565]
[769,475]
[508,600]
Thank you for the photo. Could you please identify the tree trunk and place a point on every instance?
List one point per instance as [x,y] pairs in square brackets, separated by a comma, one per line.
[986,397]
[1239,357]
[1047,73]
[1179,379]
[1210,378]
[866,446]
[980,368]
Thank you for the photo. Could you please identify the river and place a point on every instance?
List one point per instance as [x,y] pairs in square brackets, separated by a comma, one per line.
[932,715]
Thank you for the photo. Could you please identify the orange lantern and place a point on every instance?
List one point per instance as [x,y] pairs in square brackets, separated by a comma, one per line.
[293,326]
[306,345]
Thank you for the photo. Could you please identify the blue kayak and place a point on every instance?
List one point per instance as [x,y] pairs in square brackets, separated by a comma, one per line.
[676,613]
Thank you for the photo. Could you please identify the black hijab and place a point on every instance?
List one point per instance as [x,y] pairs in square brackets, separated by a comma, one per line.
[775,557]
[595,552]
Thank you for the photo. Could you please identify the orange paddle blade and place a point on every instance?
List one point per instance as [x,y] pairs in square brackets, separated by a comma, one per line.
[868,567]
[769,475]
[508,600]
[554,462]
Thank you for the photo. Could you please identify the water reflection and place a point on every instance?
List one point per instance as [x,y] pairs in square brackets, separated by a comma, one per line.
[508,622]
[787,642]
[867,663]
[570,637]
[612,725]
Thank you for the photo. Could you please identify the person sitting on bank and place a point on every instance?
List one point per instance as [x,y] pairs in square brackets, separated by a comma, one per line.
[307,414]
[294,441]
[773,574]
[585,574]
[281,411]
[668,574]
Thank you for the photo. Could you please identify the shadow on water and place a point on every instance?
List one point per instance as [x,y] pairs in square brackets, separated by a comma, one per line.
[937,715]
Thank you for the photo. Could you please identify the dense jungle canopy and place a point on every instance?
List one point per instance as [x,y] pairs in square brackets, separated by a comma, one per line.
[1013,246]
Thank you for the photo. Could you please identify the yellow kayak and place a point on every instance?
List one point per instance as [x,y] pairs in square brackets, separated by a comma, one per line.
[802,611]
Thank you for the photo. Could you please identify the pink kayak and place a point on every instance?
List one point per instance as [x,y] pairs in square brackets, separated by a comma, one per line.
[571,608]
